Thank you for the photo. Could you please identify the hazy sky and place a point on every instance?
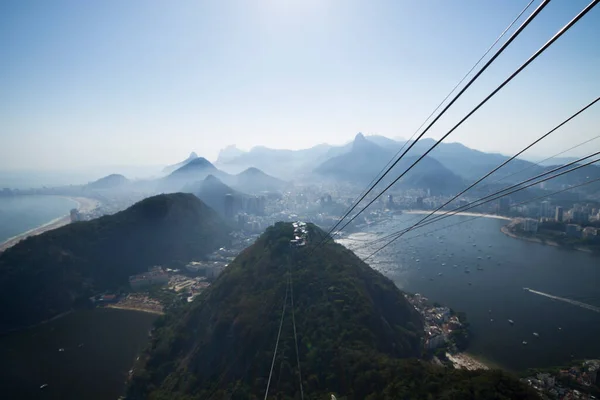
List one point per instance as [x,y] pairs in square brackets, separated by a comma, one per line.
[87,83]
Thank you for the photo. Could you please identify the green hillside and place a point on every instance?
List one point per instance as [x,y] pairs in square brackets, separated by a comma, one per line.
[357,335]
[44,275]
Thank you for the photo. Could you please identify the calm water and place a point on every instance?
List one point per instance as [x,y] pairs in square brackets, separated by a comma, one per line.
[21,213]
[100,347]
[496,292]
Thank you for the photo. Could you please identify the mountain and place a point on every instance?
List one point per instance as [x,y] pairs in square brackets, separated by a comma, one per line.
[112,181]
[366,159]
[253,180]
[194,171]
[283,164]
[553,161]
[228,154]
[357,336]
[386,143]
[170,168]
[213,192]
[45,275]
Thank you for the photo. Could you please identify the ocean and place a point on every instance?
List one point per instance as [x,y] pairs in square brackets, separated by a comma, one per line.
[561,305]
[19,214]
[98,349]
[548,290]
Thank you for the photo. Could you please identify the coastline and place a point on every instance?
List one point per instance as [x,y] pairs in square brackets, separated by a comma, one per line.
[466,361]
[146,310]
[466,214]
[84,204]
[508,233]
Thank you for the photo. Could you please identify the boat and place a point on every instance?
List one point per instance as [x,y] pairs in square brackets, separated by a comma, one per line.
[479,268]
[443,264]
[440,274]
[559,328]
[467,271]
[524,343]
[526,288]
[510,321]
[417,260]
[44,386]
[491,319]
[479,258]
[536,334]
[61,349]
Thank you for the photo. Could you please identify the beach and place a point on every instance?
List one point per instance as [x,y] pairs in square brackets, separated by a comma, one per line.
[467,214]
[465,361]
[138,309]
[84,205]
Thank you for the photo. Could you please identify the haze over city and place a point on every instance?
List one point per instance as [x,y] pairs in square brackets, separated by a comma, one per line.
[144,83]
[290,199]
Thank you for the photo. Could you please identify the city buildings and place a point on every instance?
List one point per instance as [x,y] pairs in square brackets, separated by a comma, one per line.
[504,205]
[558,214]
[545,209]
[579,217]
[530,225]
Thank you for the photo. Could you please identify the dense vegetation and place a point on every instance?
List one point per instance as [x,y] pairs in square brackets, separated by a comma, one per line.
[44,275]
[357,335]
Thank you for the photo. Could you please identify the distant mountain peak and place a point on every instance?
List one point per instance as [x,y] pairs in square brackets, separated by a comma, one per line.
[212,178]
[199,162]
[361,143]
[252,171]
[359,138]
[108,182]
[229,153]
[170,168]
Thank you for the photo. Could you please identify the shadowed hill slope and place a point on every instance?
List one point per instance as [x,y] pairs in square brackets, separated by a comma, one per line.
[356,332]
[44,275]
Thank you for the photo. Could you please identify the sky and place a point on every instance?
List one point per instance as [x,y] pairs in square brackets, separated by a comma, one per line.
[145,82]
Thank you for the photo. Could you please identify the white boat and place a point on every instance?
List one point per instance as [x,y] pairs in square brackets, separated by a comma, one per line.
[536,334]
[44,386]
[510,321]
[61,349]
[524,343]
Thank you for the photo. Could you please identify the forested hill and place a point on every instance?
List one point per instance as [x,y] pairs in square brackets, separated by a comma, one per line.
[44,275]
[357,335]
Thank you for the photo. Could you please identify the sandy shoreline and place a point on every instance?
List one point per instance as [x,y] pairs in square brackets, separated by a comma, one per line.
[466,214]
[84,205]
[117,307]
[466,361]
